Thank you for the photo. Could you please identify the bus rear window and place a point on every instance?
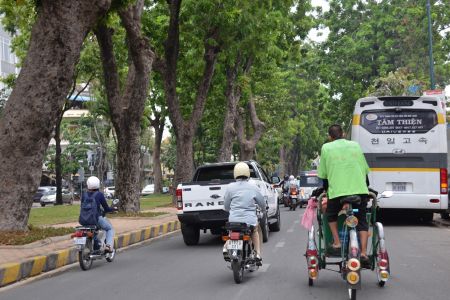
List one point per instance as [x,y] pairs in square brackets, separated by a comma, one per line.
[405,121]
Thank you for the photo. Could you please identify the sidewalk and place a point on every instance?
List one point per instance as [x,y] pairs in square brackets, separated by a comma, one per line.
[13,259]
[438,220]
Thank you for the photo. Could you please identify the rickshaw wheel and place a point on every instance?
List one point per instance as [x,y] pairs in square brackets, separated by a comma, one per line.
[352,294]
[381,283]
[310,282]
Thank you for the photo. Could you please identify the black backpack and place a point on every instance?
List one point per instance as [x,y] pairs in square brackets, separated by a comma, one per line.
[89,212]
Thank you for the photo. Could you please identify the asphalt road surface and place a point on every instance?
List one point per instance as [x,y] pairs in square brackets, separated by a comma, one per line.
[167,269]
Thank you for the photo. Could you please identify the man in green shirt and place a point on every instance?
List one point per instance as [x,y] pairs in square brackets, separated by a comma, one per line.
[344,171]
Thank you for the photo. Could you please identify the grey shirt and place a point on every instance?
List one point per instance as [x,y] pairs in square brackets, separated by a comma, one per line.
[240,199]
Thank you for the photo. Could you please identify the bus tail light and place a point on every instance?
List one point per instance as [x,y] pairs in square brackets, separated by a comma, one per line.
[179,194]
[444,184]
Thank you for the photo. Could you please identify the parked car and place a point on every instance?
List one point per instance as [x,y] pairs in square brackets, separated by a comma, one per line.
[41,191]
[148,189]
[109,192]
[49,197]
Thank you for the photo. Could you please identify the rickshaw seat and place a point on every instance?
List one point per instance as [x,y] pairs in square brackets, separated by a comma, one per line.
[353,199]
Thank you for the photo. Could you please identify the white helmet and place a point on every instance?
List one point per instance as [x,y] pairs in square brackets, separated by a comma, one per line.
[93,183]
[241,170]
[291,177]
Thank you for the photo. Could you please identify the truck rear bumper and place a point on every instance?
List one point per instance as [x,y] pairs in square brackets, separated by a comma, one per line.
[204,219]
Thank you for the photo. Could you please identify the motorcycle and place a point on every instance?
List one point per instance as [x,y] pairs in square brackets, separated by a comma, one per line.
[90,242]
[239,249]
[293,196]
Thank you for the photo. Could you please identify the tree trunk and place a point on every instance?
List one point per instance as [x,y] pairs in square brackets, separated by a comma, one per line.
[58,164]
[128,168]
[127,106]
[31,112]
[247,145]
[185,129]
[158,125]
[184,167]
[232,94]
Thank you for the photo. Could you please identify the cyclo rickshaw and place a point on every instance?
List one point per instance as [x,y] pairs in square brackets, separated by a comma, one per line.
[320,254]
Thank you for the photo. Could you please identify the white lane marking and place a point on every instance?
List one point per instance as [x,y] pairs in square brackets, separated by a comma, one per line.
[280,244]
[290,230]
[264,268]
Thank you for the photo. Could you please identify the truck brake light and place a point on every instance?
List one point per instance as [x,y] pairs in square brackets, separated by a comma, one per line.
[444,184]
[179,194]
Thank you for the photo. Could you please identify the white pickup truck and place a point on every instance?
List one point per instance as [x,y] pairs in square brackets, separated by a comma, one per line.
[200,202]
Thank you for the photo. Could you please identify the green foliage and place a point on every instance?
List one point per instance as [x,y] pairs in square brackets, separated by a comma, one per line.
[370,39]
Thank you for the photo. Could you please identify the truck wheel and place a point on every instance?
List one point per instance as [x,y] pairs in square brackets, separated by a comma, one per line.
[275,227]
[264,228]
[445,216]
[191,234]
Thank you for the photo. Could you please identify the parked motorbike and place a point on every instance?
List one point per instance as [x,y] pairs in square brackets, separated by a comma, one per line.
[90,242]
[293,196]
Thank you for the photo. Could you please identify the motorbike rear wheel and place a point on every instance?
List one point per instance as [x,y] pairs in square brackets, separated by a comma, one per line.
[238,271]
[83,256]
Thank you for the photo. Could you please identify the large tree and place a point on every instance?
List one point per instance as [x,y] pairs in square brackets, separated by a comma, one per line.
[127,104]
[31,112]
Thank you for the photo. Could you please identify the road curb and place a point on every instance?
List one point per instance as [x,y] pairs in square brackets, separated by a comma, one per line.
[13,272]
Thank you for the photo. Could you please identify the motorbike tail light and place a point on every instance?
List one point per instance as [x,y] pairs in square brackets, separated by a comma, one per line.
[235,235]
[352,277]
[225,238]
[179,195]
[77,234]
[444,184]
[246,238]
[353,264]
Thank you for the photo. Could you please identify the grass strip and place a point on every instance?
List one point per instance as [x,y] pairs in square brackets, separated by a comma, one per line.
[59,214]
[33,234]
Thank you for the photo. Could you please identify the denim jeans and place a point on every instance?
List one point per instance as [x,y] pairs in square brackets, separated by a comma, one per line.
[104,223]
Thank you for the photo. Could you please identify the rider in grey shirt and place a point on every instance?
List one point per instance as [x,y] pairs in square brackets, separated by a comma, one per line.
[241,198]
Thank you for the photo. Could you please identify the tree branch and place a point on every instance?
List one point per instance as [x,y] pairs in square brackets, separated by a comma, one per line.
[210,58]
[110,72]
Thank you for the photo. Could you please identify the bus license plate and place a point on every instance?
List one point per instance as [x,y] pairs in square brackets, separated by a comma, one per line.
[399,186]
[235,245]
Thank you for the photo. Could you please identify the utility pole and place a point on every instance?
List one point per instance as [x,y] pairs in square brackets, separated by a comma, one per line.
[430,46]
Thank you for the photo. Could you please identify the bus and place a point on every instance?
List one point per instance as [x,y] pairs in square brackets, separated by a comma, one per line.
[404,140]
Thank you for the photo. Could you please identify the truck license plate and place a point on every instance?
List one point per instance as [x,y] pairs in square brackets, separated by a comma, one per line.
[399,186]
[235,244]
[79,241]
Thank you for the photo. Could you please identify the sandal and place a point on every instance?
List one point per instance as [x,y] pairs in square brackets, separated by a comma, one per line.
[365,261]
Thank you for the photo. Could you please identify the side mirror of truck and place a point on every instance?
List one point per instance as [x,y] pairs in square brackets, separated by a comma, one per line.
[276,180]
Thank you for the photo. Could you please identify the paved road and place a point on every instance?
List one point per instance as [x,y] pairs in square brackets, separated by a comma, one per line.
[167,269]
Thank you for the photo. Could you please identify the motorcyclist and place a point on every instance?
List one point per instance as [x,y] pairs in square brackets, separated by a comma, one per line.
[93,185]
[240,201]
[344,170]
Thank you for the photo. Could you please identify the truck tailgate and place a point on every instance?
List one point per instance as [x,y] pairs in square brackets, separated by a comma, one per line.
[198,197]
